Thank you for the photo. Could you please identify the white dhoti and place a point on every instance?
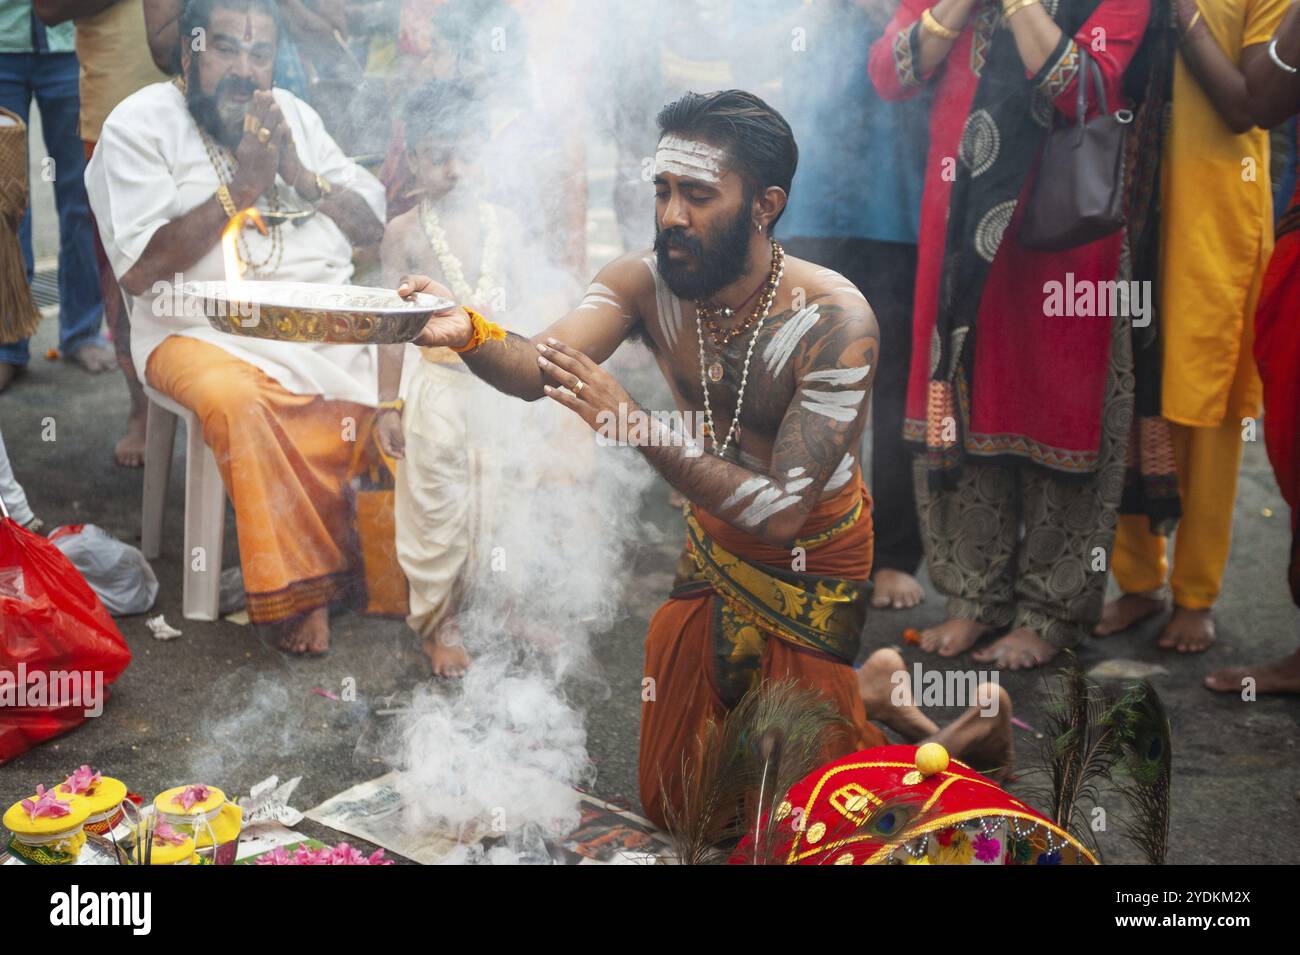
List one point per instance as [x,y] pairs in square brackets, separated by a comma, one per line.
[441,489]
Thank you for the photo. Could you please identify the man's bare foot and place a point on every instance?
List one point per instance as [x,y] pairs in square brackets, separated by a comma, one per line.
[308,634]
[1127,611]
[895,589]
[446,652]
[1280,676]
[129,452]
[1188,631]
[8,373]
[982,736]
[955,635]
[94,358]
[1020,649]
[891,702]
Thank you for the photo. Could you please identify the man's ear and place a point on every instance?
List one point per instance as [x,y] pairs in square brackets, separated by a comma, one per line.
[769,204]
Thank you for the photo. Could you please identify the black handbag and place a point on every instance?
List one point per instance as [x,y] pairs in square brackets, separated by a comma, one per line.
[1079,195]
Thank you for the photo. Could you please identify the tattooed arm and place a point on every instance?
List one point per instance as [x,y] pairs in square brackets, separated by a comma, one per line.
[597,326]
[834,369]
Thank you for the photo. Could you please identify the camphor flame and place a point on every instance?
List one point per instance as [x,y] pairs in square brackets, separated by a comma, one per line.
[234,266]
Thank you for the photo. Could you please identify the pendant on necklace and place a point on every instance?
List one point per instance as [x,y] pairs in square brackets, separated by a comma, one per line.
[715,372]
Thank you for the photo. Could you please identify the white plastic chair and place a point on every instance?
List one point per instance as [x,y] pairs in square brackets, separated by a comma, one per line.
[205,503]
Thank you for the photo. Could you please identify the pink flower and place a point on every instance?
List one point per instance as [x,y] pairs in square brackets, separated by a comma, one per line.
[167,835]
[192,795]
[987,849]
[45,804]
[83,780]
[342,854]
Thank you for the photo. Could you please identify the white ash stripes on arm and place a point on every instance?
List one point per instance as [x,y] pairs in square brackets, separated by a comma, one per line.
[834,360]
[599,295]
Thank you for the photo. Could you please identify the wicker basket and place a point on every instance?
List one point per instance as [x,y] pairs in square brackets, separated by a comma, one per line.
[19,315]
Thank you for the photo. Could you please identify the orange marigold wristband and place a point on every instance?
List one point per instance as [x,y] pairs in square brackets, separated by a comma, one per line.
[481,331]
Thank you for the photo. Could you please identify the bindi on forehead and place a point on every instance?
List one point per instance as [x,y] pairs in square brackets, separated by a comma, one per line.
[690,159]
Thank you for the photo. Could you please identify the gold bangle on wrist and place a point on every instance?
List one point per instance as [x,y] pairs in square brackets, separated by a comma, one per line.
[395,405]
[227,201]
[1192,26]
[1013,7]
[931,25]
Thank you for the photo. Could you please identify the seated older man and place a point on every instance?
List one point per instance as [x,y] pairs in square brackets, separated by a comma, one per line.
[175,163]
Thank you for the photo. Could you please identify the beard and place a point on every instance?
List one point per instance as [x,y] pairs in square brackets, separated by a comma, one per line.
[710,267]
[217,115]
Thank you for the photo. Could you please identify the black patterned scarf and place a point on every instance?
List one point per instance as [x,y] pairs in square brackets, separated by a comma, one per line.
[1008,123]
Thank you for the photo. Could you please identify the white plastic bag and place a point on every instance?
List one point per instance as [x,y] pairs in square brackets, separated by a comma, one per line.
[117,573]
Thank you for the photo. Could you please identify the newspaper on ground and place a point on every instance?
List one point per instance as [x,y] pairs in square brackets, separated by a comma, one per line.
[606,835]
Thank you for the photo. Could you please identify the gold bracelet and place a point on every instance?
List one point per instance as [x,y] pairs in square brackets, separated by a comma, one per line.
[324,186]
[1192,26]
[1015,6]
[481,331]
[227,201]
[931,25]
[395,405]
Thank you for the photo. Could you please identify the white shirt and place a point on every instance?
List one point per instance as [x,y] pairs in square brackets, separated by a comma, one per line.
[150,167]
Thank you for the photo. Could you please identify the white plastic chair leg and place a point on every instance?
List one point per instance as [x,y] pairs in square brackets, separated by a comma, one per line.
[159,437]
[205,517]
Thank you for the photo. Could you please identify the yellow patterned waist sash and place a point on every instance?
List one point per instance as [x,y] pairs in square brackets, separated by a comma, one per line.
[824,614]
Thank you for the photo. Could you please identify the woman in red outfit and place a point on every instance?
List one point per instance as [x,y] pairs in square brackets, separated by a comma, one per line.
[1020,392]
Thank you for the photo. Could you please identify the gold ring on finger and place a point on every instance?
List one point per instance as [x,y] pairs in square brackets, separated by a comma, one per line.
[263,135]
[577,389]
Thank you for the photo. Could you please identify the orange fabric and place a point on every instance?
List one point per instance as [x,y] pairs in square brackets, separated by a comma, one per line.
[286,461]
[679,656]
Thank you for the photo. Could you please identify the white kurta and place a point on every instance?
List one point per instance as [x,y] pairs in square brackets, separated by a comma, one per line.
[150,167]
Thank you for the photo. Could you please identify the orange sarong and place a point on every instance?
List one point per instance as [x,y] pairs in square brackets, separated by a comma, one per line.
[689,687]
[287,461]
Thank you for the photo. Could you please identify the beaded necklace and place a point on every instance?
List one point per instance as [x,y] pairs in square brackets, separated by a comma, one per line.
[762,308]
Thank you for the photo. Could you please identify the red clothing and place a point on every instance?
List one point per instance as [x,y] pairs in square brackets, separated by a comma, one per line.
[1038,380]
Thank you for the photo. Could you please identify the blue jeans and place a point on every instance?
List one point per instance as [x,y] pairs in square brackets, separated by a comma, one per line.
[52,78]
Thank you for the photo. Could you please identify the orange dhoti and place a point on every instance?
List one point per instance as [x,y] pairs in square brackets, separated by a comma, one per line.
[287,462]
[738,616]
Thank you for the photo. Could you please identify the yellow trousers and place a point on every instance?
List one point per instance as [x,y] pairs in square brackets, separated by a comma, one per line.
[1208,460]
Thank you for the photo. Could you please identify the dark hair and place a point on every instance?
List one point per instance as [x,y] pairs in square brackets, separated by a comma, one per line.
[197,14]
[757,137]
[445,108]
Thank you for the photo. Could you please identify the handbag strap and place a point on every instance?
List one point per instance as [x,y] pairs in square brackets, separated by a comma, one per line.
[1090,74]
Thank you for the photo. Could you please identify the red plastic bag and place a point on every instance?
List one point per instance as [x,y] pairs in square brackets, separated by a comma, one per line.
[59,648]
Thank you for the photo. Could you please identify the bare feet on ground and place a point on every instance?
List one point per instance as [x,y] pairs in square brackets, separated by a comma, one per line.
[8,373]
[1188,631]
[308,634]
[1280,676]
[982,736]
[129,452]
[955,635]
[446,652]
[1127,611]
[94,358]
[895,589]
[890,703]
[1021,649]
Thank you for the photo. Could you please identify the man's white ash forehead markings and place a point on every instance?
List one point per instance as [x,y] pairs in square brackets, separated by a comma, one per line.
[666,304]
[690,159]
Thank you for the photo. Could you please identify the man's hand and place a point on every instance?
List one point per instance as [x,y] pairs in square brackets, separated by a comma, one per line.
[591,389]
[449,329]
[388,429]
[258,161]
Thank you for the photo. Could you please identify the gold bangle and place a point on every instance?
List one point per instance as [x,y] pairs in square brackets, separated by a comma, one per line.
[324,186]
[1015,6]
[395,405]
[481,331]
[227,201]
[931,25]
[1192,26]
